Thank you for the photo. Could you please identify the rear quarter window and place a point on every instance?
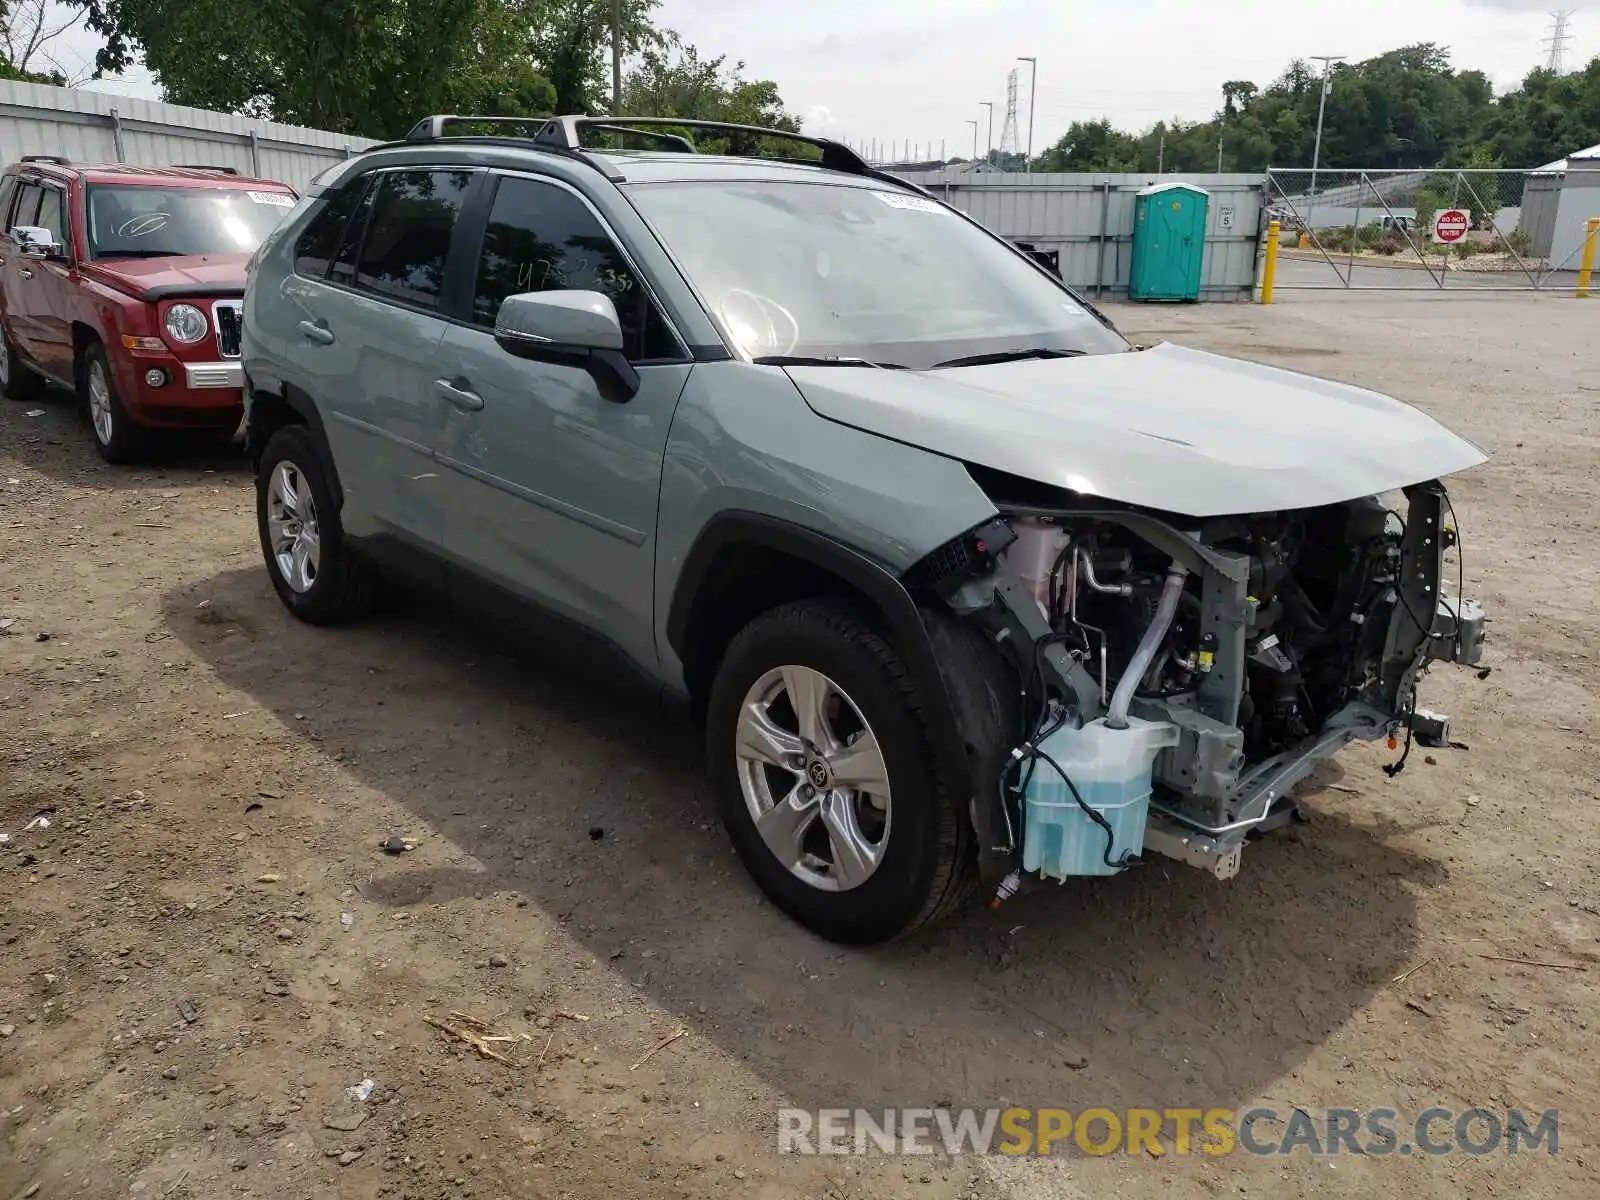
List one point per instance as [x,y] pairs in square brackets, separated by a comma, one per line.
[320,241]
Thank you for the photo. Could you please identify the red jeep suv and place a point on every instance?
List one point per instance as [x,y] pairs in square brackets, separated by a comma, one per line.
[124,285]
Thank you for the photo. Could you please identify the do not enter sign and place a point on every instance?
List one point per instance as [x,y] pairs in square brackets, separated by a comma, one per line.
[1451,225]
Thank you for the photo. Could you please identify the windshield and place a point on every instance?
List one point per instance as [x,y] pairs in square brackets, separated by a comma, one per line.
[832,270]
[140,222]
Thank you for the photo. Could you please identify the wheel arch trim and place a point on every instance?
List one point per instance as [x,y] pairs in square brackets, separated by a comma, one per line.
[875,583]
[303,406]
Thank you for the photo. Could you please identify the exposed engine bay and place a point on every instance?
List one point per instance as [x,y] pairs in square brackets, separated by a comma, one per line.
[1242,650]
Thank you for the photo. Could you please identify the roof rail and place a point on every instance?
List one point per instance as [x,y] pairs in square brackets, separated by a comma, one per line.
[204,167]
[47,158]
[431,128]
[567,133]
[674,140]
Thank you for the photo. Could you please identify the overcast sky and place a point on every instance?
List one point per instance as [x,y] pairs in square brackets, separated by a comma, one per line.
[919,69]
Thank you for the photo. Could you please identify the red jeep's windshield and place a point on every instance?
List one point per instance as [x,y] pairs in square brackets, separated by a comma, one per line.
[144,222]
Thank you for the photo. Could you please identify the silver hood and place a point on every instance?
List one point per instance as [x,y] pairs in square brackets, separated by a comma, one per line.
[1165,428]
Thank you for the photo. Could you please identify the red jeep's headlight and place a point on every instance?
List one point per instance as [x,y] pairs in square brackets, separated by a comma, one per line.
[186,324]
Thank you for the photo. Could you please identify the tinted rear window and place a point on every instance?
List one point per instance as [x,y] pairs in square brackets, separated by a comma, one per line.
[320,240]
[408,235]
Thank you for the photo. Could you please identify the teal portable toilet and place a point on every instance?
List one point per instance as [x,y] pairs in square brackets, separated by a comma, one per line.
[1169,242]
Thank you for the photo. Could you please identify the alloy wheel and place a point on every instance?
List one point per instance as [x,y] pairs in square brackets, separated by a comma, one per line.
[292,527]
[813,777]
[100,403]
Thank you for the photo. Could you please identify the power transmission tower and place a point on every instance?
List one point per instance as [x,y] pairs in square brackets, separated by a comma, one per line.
[1559,38]
[1008,131]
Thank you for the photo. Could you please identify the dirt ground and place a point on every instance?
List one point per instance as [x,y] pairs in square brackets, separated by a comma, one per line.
[184,1001]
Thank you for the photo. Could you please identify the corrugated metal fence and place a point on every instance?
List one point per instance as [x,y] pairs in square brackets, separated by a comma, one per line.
[1089,220]
[93,127]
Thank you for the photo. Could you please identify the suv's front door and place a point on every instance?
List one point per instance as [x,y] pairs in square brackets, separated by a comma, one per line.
[53,282]
[552,488]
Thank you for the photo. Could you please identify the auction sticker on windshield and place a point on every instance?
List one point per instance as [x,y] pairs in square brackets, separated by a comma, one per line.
[277,199]
[912,203]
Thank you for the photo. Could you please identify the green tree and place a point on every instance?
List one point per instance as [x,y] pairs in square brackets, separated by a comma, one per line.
[368,67]
[673,79]
[1092,146]
[571,43]
[1545,119]
[1407,108]
[30,33]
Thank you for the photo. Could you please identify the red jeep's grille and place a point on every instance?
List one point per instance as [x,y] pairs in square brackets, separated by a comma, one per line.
[230,326]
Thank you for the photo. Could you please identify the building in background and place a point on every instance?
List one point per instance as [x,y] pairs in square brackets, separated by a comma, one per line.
[1557,202]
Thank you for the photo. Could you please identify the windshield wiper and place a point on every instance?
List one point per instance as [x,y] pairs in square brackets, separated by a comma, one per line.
[823,360]
[1001,356]
[140,254]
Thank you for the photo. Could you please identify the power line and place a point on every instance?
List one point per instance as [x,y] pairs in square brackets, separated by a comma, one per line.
[1559,37]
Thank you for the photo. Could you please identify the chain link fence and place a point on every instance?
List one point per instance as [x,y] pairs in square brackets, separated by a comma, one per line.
[1420,230]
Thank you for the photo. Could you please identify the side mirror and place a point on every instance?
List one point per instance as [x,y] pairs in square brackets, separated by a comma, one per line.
[35,241]
[579,329]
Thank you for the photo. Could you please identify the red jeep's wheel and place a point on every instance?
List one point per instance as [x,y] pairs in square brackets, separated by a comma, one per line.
[117,438]
[17,380]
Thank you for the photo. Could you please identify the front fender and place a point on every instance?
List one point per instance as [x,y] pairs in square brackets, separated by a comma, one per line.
[743,440]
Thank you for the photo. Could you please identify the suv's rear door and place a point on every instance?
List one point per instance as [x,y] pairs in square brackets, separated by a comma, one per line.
[551,489]
[19,277]
[369,285]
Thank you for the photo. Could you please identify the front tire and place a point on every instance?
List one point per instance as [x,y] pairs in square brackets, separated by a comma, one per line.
[826,778]
[297,515]
[116,437]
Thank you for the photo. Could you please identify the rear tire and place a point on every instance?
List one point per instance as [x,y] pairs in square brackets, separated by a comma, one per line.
[116,437]
[855,865]
[18,381]
[302,540]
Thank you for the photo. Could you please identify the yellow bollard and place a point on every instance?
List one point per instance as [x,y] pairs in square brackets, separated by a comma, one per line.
[1586,263]
[1269,268]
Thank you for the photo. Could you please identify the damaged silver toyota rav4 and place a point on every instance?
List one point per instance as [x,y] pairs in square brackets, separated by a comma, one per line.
[965,589]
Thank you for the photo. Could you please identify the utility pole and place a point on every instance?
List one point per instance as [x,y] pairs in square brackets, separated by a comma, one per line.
[1327,61]
[974,125]
[1033,93]
[989,150]
[616,58]
[1161,154]
[1219,154]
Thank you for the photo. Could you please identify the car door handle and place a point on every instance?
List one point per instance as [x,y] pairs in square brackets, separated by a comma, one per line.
[461,397]
[316,332]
